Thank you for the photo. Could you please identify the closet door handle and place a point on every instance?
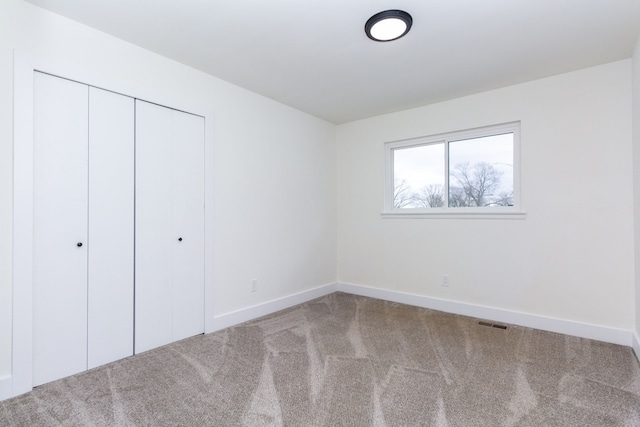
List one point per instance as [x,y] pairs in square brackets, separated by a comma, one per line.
[179,239]
[79,244]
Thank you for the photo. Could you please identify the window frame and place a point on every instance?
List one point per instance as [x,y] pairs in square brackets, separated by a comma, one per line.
[495,212]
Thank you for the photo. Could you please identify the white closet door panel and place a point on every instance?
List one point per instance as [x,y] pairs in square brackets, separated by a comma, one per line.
[188,196]
[60,224]
[154,230]
[111,215]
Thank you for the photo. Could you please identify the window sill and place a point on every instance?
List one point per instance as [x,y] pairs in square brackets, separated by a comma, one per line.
[454,215]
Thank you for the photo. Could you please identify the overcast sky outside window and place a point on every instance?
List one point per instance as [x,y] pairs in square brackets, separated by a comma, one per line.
[422,166]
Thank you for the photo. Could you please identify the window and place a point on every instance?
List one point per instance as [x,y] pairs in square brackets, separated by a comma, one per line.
[467,173]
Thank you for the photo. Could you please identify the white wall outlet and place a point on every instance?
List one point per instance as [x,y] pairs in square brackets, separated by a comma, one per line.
[254,285]
[444,280]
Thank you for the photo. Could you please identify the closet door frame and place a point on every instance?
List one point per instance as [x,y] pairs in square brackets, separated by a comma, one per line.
[25,65]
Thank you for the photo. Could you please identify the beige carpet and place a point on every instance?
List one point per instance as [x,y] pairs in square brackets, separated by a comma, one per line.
[352,361]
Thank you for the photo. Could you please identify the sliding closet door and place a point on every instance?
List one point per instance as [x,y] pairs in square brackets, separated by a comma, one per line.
[60,228]
[188,211]
[111,215]
[169,226]
[154,229]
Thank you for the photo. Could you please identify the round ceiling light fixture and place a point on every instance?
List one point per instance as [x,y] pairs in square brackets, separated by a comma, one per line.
[388,25]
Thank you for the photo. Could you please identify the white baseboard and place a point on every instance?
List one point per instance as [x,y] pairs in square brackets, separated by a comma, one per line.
[568,327]
[562,326]
[6,387]
[229,319]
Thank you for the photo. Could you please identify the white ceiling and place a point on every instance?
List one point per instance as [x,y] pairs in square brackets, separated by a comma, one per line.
[313,54]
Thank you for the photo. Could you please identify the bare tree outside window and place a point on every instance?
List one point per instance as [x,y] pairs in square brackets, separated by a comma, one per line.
[457,198]
[431,196]
[478,182]
[473,186]
[402,196]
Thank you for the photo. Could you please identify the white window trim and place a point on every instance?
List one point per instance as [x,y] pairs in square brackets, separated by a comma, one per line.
[499,212]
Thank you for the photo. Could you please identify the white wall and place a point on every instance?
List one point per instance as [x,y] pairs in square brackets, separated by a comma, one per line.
[636,183]
[571,258]
[273,180]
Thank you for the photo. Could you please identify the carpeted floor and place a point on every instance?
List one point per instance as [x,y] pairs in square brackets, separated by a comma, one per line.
[351,361]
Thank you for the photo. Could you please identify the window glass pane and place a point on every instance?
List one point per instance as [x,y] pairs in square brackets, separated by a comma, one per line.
[481,171]
[418,176]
